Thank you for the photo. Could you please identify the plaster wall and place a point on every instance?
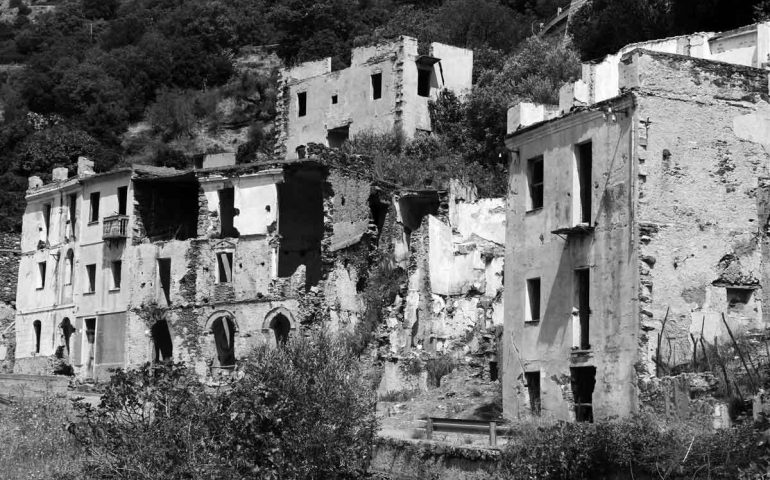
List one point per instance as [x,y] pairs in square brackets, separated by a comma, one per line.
[533,251]
[702,202]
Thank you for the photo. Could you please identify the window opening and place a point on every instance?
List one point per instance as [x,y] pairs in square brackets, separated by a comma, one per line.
[302,103]
[163,348]
[334,99]
[168,209]
[301,151]
[583,381]
[66,333]
[69,260]
[94,217]
[738,299]
[533,300]
[117,267]
[37,326]
[164,274]
[535,180]
[533,388]
[225,263]
[224,338]
[493,371]
[91,274]
[376,86]
[584,162]
[90,346]
[72,207]
[122,200]
[582,294]
[281,328]
[227,212]
[41,267]
[423,81]
[47,219]
[337,136]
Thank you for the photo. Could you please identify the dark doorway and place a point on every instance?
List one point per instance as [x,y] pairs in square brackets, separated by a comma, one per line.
[583,382]
[584,161]
[122,200]
[37,327]
[337,136]
[424,77]
[66,333]
[90,346]
[281,328]
[493,372]
[533,389]
[223,329]
[163,348]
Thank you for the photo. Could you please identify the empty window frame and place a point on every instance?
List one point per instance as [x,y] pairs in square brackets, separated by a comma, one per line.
[69,262]
[533,389]
[583,308]
[533,300]
[583,381]
[227,212]
[116,269]
[41,267]
[535,183]
[301,104]
[163,347]
[73,199]
[582,182]
[36,328]
[423,81]
[223,329]
[738,299]
[376,86]
[94,215]
[225,264]
[122,200]
[47,219]
[334,99]
[91,276]
[164,277]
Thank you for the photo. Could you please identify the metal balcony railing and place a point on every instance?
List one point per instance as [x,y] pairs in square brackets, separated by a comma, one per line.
[115,227]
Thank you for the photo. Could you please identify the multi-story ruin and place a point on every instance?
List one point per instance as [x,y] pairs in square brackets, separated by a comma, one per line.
[386,88]
[641,201]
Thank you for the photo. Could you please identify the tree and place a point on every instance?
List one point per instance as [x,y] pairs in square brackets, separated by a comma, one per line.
[100,9]
[55,146]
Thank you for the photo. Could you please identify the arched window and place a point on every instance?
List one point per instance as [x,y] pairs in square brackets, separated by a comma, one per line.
[280,326]
[66,333]
[163,348]
[68,270]
[36,325]
[223,329]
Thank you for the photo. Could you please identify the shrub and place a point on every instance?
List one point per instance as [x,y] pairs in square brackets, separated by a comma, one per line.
[438,367]
[301,411]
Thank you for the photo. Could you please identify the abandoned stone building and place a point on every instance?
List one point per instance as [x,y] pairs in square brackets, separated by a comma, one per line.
[646,206]
[386,88]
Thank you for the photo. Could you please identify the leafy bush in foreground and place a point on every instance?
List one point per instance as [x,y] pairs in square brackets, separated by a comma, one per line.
[301,411]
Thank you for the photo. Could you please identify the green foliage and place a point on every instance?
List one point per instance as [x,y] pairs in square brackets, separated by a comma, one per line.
[412,365]
[36,446]
[55,146]
[398,395]
[172,116]
[638,446]
[301,411]
[438,367]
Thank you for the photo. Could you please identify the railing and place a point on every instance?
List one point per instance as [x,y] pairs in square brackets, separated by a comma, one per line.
[115,227]
[471,427]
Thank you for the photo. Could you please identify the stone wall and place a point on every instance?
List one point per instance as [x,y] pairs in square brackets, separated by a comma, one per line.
[10,252]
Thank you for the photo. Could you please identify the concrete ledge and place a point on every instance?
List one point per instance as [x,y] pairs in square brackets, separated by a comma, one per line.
[32,386]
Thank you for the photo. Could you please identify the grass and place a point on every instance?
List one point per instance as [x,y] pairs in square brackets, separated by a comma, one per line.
[36,443]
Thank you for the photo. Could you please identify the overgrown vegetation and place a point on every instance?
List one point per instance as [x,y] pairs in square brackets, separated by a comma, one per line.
[639,447]
[297,412]
[438,367]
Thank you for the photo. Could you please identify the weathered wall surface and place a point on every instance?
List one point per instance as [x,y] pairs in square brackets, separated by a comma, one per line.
[533,251]
[702,207]
[413,460]
[10,252]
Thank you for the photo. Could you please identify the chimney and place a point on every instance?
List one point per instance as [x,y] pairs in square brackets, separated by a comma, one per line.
[35,182]
[60,174]
[85,167]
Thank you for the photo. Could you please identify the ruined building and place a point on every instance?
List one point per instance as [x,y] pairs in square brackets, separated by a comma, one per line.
[642,197]
[386,88]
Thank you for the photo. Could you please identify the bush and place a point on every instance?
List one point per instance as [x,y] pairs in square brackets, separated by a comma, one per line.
[438,367]
[301,411]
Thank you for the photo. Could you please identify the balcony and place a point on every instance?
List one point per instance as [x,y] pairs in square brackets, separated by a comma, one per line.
[115,227]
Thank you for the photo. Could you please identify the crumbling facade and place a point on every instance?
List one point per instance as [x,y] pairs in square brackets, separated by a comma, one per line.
[150,264]
[645,209]
[386,88]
